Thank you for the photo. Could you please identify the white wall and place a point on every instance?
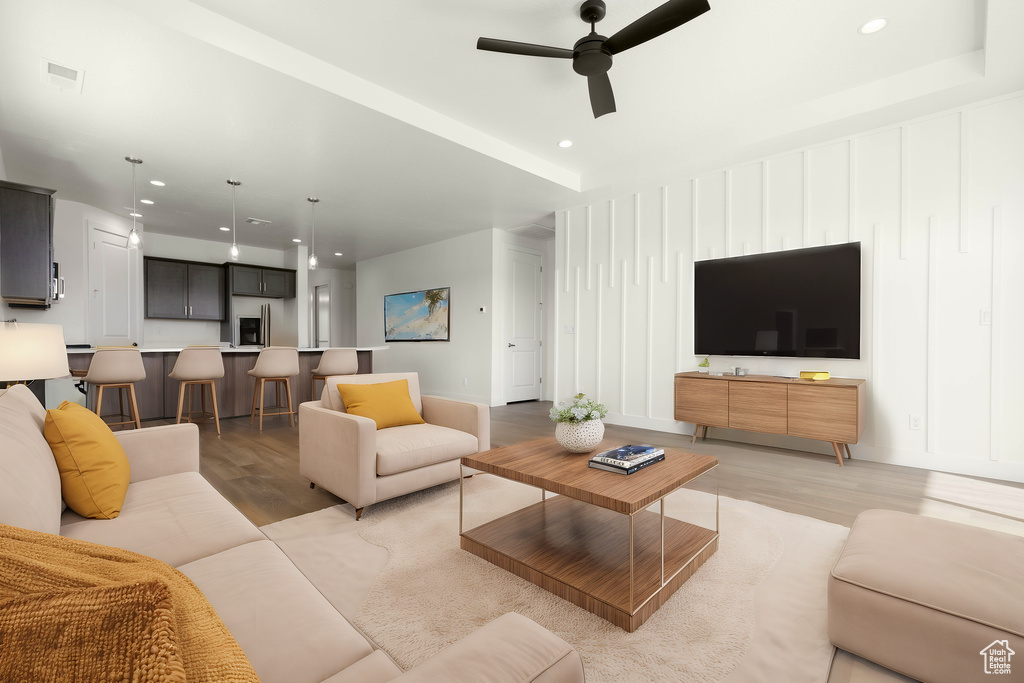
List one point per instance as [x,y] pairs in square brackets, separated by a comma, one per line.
[938,205]
[70,250]
[3,169]
[460,368]
[342,286]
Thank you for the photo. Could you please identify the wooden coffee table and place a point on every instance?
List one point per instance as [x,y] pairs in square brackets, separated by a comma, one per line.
[595,544]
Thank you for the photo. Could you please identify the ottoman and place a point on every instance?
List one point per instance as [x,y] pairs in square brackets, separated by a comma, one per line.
[934,600]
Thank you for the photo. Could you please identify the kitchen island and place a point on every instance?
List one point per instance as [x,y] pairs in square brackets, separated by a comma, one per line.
[157,395]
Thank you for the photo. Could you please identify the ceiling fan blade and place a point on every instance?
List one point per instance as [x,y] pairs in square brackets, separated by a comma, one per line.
[602,100]
[529,49]
[663,19]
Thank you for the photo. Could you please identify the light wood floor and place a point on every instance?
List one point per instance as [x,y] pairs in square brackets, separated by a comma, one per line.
[259,473]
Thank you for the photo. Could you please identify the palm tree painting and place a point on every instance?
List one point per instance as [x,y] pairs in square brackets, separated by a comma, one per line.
[417,316]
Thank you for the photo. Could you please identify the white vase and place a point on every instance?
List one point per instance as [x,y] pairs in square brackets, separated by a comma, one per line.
[579,437]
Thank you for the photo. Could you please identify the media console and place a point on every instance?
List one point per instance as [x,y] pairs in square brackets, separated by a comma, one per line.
[827,410]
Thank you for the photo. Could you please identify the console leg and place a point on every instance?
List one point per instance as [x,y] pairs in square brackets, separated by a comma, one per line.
[696,428]
[839,453]
[359,513]
[848,454]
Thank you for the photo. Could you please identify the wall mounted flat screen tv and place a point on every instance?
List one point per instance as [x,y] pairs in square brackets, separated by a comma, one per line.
[802,303]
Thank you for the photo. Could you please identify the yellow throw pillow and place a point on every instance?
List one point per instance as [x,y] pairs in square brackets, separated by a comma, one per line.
[387,403]
[94,471]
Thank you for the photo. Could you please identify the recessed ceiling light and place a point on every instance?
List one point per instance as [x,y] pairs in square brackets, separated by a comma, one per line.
[225,229]
[135,215]
[565,143]
[158,183]
[145,201]
[873,26]
[296,239]
[337,253]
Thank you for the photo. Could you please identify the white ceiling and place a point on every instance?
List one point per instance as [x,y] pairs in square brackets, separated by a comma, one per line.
[408,134]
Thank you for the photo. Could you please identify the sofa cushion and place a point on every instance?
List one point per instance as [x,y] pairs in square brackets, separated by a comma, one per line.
[94,471]
[386,403]
[400,449]
[177,519]
[289,631]
[924,596]
[375,667]
[29,480]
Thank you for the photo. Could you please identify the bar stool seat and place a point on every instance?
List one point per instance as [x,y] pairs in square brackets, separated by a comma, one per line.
[274,364]
[335,362]
[117,368]
[198,366]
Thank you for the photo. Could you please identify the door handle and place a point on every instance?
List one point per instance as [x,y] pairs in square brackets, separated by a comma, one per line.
[510,345]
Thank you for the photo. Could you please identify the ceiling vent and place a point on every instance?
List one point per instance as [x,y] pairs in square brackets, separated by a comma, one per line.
[535,231]
[61,76]
[257,221]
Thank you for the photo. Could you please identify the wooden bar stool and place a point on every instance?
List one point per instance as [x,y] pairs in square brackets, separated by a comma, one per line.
[274,364]
[335,362]
[198,365]
[117,368]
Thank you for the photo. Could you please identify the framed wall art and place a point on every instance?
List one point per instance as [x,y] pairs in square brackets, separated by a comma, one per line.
[417,316]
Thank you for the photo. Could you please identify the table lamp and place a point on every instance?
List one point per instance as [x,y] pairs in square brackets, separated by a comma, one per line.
[31,351]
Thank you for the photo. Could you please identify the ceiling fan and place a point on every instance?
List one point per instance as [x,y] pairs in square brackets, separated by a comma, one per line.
[592,54]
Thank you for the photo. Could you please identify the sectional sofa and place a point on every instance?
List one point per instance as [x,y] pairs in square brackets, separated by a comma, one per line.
[287,629]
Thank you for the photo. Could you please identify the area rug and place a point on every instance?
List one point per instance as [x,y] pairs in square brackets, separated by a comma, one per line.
[754,612]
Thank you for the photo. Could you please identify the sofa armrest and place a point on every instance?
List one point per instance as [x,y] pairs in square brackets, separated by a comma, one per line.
[338,452]
[159,451]
[510,649]
[465,416]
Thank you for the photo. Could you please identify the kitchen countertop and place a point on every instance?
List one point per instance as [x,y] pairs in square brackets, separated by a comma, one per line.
[243,349]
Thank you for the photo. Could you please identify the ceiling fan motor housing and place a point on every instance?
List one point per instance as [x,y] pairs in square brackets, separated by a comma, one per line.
[590,57]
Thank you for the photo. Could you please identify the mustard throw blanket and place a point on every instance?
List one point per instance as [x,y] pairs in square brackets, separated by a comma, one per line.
[77,611]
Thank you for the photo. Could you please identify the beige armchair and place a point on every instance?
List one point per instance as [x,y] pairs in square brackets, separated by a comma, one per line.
[347,455]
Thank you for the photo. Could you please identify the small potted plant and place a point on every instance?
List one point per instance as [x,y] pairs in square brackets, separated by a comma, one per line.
[578,426]
[704,365]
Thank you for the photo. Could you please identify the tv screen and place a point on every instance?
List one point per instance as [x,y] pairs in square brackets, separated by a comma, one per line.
[802,303]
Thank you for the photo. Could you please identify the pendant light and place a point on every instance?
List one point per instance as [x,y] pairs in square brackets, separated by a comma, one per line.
[312,233]
[234,245]
[134,239]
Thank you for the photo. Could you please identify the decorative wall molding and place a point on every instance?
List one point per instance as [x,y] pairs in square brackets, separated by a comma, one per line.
[622,338]
[568,248]
[965,185]
[664,233]
[590,229]
[599,333]
[611,243]
[576,336]
[649,374]
[636,238]
[904,192]
[931,337]
[996,349]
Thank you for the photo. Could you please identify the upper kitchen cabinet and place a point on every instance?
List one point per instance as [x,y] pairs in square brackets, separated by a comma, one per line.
[274,283]
[26,246]
[184,290]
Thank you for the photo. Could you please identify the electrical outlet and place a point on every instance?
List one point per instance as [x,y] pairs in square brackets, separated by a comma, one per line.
[985,317]
[915,422]
[465,381]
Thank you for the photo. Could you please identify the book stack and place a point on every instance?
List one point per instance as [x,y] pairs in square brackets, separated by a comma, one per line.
[627,459]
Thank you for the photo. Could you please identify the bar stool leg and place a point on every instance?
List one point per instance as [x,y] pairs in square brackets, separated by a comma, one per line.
[134,407]
[263,386]
[255,393]
[181,401]
[288,391]
[213,400]
[120,403]
[99,400]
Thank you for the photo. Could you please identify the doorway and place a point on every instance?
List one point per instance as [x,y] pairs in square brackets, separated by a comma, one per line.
[322,316]
[113,288]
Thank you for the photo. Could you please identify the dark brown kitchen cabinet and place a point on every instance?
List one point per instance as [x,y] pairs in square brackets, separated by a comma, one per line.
[184,290]
[273,283]
[26,245]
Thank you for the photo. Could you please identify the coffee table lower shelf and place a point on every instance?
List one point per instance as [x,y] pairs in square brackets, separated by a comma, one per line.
[580,552]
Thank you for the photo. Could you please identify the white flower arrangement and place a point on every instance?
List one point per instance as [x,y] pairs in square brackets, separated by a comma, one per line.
[579,411]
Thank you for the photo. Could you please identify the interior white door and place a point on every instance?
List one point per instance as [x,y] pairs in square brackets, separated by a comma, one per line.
[113,278]
[523,325]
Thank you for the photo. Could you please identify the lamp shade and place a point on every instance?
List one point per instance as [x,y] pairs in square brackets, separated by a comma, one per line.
[32,351]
